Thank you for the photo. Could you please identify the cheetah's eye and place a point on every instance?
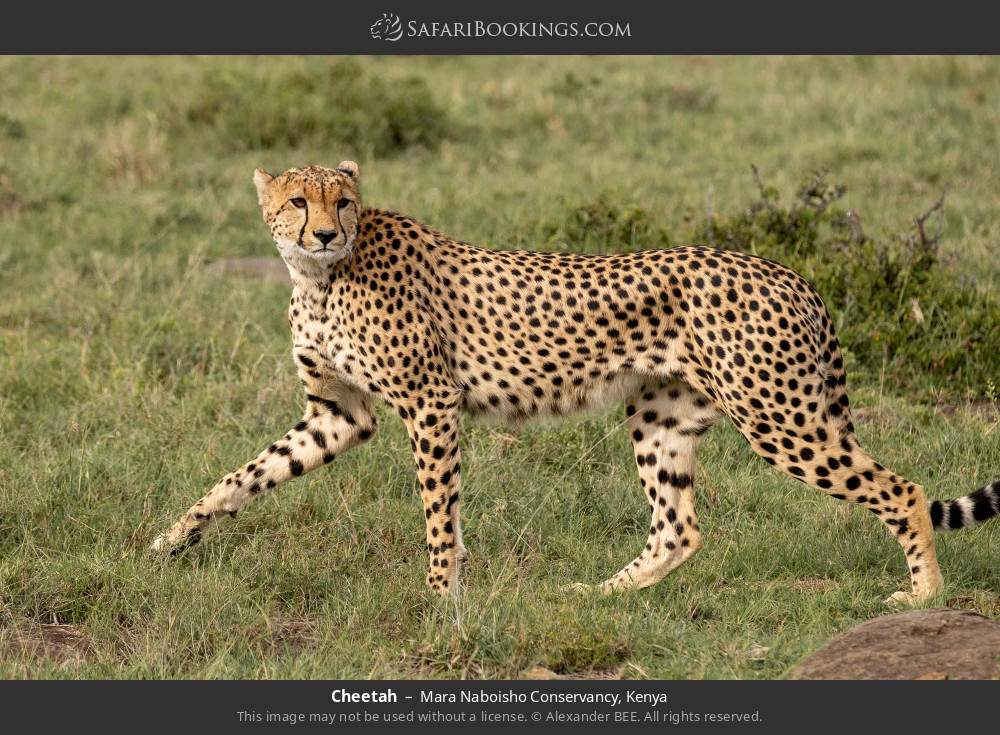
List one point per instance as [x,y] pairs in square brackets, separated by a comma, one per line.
[298,202]
[343,203]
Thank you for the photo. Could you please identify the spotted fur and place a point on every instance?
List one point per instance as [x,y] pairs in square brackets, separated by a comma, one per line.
[385,308]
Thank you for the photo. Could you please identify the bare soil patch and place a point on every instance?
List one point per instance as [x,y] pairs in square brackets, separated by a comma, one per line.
[272,270]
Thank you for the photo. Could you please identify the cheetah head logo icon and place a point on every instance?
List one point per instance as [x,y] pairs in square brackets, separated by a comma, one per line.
[387,28]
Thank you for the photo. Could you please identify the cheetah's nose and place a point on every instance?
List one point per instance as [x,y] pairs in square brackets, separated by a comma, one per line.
[324,236]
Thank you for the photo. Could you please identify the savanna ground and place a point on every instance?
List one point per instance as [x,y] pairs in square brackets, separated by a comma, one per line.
[133,375]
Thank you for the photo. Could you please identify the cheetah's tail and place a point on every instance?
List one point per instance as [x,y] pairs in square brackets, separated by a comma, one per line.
[968,510]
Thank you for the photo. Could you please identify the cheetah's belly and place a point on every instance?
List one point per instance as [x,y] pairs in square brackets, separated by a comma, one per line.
[545,398]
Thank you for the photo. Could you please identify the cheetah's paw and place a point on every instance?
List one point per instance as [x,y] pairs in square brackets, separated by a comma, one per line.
[164,547]
[587,589]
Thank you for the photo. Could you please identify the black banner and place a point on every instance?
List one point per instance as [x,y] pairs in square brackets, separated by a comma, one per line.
[514,706]
[513,27]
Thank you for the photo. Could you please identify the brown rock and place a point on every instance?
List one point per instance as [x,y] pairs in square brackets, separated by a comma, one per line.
[917,644]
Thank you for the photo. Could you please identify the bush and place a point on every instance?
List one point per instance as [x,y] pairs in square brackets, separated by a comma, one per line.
[901,315]
[903,319]
[343,105]
[681,97]
[603,224]
[11,128]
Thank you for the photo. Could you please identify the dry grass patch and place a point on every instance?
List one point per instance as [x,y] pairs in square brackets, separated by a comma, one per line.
[59,643]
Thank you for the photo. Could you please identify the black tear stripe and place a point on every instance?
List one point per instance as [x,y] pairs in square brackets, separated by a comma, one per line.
[340,224]
[302,230]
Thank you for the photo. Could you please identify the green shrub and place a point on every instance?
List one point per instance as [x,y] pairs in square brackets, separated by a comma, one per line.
[681,97]
[602,225]
[903,318]
[342,104]
[571,86]
[11,127]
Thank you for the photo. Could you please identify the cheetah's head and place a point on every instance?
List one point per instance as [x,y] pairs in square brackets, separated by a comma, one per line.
[313,213]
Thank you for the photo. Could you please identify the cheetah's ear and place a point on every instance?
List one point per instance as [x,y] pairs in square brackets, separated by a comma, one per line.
[261,179]
[349,168]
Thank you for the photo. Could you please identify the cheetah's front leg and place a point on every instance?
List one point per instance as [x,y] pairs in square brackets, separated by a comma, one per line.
[328,428]
[433,430]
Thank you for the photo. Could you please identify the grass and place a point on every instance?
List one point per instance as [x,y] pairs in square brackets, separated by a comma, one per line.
[132,377]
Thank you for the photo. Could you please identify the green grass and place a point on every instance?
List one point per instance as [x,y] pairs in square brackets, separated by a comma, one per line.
[132,377]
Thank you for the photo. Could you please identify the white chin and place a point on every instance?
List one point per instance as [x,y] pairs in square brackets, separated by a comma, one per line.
[312,260]
[329,257]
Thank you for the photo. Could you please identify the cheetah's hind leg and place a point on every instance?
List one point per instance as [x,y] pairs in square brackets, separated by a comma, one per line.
[666,421]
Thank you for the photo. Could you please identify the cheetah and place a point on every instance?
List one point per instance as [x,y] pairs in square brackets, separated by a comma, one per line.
[385,308]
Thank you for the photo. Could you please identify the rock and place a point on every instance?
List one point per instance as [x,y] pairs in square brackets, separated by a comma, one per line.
[539,673]
[917,644]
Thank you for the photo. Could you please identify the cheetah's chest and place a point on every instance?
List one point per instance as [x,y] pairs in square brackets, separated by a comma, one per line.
[324,351]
